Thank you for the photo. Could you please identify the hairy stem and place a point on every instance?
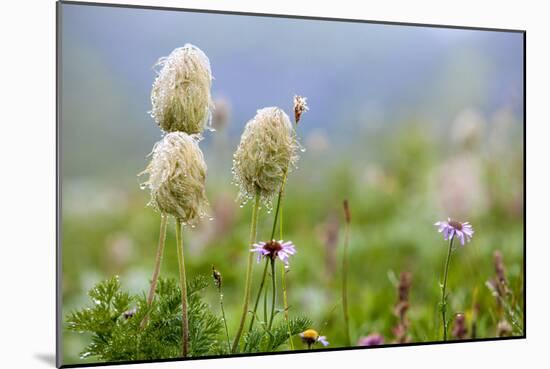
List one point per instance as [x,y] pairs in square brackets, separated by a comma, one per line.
[224,319]
[279,199]
[285,302]
[265,304]
[443,290]
[248,281]
[283,286]
[273,294]
[278,210]
[258,298]
[183,286]
[158,261]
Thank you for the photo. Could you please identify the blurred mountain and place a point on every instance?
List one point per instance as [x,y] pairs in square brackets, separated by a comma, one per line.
[356,76]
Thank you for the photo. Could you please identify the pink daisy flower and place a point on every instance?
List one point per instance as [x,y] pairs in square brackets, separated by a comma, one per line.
[451,228]
[274,249]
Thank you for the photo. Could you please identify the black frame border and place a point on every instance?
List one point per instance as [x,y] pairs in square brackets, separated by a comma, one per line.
[58,198]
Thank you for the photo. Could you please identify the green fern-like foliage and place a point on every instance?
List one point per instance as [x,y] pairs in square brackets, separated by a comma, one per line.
[117,333]
[259,340]
[280,333]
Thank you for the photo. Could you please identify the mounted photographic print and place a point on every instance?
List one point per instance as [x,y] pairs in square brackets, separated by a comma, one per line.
[235,184]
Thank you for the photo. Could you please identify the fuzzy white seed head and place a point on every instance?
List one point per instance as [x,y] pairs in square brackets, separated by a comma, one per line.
[267,149]
[180,97]
[177,175]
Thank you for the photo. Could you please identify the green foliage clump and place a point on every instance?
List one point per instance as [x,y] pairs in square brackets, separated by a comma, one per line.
[261,340]
[120,331]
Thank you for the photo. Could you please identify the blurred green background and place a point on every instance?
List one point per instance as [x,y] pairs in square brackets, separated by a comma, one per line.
[410,124]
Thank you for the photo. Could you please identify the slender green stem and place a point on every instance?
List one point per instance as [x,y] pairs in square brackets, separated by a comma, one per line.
[158,261]
[281,221]
[279,199]
[444,288]
[256,303]
[285,302]
[345,280]
[283,284]
[248,281]
[224,319]
[278,209]
[183,286]
[265,303]
[273,294]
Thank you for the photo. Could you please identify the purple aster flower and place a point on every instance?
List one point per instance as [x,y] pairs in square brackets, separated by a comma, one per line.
[323,340]
[373,339]
[459,329]
[311,337]
[129,313]
[274,249]
[452,228]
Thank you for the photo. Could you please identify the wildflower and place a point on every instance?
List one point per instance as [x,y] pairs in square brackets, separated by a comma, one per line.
[404,286]
[300,107]
[266,152]
[177,175]
[274,249]
[347,212]
[452,228]
[310,337]
[504,328]
[180,96]
[129,313]
[459,328]
[217,277]
[498,285]
[401,307]
[373,339]
[218,282]
[500,269]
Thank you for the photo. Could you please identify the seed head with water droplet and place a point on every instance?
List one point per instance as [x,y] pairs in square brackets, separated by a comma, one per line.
[267,150]
[177,175]
[180,97]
